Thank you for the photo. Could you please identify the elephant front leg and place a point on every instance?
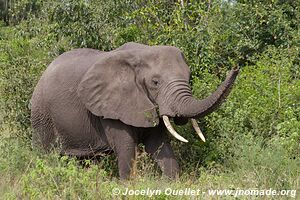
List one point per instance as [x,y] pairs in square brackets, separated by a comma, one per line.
[158,146]
[123,141]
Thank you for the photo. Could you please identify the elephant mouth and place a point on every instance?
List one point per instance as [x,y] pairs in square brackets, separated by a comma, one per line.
[177,135]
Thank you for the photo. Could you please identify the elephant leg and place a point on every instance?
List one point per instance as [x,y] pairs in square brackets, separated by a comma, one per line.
[123,140]
[158,146]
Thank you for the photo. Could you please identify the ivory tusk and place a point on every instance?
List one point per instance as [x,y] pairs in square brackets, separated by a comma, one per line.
[197,129]
[171,129]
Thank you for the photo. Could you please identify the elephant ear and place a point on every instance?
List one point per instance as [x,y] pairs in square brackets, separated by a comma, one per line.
[110,89]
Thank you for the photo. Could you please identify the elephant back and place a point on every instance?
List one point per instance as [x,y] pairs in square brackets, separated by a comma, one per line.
[62,76]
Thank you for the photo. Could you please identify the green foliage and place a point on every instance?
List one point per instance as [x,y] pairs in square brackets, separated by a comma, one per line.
[21,65]
[264,104]
[253,140]
[77,21]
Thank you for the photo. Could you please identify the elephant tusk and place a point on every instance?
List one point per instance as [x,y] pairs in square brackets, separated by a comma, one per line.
[197,129]
[171,129]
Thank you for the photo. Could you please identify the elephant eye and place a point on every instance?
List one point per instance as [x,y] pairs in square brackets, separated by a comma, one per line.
[155,81]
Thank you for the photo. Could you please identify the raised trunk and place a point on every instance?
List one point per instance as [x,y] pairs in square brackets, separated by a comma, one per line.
[192,107]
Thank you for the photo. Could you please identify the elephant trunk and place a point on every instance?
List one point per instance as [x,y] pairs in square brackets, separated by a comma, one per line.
[186,106]
[194,108]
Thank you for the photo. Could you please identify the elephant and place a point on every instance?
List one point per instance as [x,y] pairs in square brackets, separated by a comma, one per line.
[89,102]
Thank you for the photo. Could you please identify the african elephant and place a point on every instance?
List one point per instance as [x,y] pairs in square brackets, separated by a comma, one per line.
[91,102]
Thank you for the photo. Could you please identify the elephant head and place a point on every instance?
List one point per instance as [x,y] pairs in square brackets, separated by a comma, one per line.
[139,84]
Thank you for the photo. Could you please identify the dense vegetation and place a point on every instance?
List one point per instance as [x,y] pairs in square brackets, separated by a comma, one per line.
[253,140]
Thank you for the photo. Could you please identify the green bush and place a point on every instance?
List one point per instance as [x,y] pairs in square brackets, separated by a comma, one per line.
[264,103]
[21,67]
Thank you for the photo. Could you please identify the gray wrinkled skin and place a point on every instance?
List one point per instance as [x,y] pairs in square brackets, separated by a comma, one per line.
[89,102]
